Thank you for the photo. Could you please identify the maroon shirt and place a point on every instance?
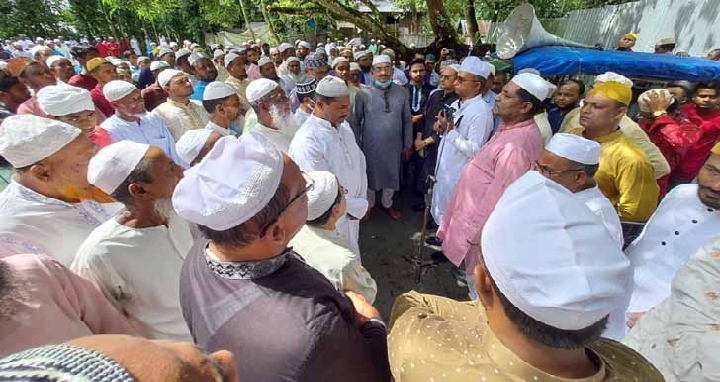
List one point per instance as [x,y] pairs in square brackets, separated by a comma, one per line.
[83,81]
[101,103]
[709,123]
[153,96]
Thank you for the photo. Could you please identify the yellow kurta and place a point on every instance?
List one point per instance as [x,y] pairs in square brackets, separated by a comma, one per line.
[631,130]
[433,338]
[625,177]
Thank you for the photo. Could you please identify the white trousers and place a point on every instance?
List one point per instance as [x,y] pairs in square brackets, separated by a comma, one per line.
[386,197]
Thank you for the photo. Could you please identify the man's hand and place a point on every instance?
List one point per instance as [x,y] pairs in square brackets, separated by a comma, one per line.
[416,119]
[444,125]
[659,102]
[419,144]
[406,154]
[364,310]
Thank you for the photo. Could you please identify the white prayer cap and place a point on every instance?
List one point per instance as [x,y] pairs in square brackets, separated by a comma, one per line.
[182,53]
[38,48]
[53,59]
[195,57]
[534,85]
[144,58]
[332,87]
[118,89]
[174,44]
[613,77]
[109,168]
[230,57]
[305,44]
[338,60]
[157,65]
[354,66]
[214,194]
[273,51]
[264,61]
[666,41]
[218,53]
[166,75]
[191,143]
[645,98]
[323,194]
[283,47]
[61,100]
[194,45]
[260,88]
[163,51]
[454,67]
[217,90]
[292,59]
[529,70]
[361,53]
[381,59]
[476,66]
[575,148]
[27,139]
[579,275]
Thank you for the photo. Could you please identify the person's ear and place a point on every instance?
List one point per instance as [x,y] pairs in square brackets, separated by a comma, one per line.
[337,211]
[483,286]
[580,178]
[275,234]
[41,172]
[137,191]
[525,107]
[621,112]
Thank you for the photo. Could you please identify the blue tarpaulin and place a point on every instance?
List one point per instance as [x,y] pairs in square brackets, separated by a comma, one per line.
[557,60]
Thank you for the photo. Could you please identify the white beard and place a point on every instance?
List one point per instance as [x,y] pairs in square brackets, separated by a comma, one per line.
[285,123]
[164,208]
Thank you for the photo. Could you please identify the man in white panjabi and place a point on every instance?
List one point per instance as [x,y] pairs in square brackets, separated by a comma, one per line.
[571,161]
[272,108]
[306,95]
[680,336]
[49,207]
[325,142]
[686,219]
[223,105]
[136,257]
[322,246]
[195,144]
[464,134]
[179,112]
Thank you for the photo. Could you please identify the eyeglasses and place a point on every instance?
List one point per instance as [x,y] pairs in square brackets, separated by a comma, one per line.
[550,172]
[307,189]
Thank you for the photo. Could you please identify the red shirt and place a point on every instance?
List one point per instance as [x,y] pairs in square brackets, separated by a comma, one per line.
[102,49]
[83,81]
[114,48]
[100,137]
[674,137]
[101,103]
[709,123]
[153,96]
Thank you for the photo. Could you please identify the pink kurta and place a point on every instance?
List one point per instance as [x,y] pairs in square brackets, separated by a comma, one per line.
[511,152]
[54,306]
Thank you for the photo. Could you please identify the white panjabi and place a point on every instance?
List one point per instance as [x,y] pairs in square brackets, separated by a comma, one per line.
[61,100]
[217,90]
[575,148]
[191,143]
[214,195]
[332,87]
[323,193]
[109,168]
[580,275]
[116,90]
[260,88]
[534,85]
[476,66]
[27,139]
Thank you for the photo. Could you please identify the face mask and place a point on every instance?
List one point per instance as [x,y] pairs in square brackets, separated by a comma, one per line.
[383,85]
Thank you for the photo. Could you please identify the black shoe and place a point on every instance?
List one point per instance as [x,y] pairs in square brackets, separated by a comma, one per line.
[434,240]
[418,207]
[439,257]
[431,224]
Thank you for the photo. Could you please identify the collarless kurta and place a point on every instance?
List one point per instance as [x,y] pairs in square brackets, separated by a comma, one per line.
[625,176]
[318,146]
[223,131]
[180,118]
[679,227]
[33,223]
[509,154]
[149,129]
[280,139]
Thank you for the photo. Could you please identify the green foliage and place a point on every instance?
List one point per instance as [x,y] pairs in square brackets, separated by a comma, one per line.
[31,17]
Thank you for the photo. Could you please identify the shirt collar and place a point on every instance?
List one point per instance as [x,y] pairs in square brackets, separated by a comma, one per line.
[525,123]
[321,122]
[178,104]
[215,127]
[247,270]
[607,138]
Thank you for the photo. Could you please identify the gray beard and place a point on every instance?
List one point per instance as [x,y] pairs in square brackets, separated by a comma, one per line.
[285,123]
[163,208]
[10,292]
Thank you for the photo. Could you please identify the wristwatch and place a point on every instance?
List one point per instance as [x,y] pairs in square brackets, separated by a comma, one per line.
[659,113]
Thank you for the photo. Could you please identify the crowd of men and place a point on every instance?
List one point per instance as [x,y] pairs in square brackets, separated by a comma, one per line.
[216,198]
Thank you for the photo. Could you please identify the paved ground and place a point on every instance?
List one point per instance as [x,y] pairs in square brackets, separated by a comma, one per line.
[387,247]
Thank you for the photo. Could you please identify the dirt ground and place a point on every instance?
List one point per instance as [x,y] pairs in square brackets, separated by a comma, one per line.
[387,248]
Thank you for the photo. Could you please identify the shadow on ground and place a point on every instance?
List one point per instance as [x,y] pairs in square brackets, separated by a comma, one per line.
[387,248]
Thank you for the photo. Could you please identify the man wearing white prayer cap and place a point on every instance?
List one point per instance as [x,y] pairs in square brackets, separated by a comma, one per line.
[365,59]
[354,75]
[303,49]
[248,218]
[131,121]
[665,46]
[628,127]
[286,51]
[463,134]
[204,70]
[61,68]
[539,317]
[75,107]
[223,105]
[49,207]
[135,257]
[168,55]
[383,126]
[194,145]
[154,95]
[237,78]
[514,149]
[267,70]
[321,246]
[541,89]
[272,108]
[305,93]
[340,68]
[325,142]
[179,112]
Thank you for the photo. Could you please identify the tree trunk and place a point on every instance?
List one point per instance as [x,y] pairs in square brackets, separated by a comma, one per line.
[471,19]
[263,8]
[441,24]
[247,21]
